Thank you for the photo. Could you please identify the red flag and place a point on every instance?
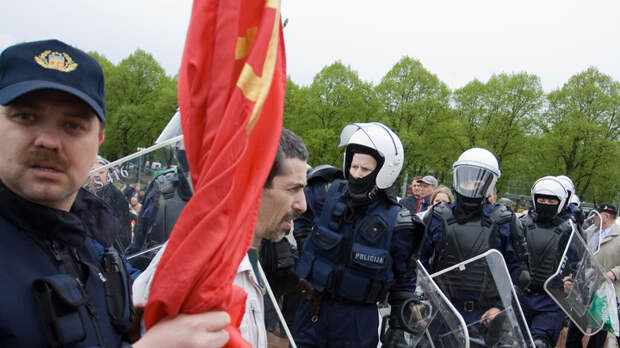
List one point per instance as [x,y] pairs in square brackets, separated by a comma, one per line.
[231,97]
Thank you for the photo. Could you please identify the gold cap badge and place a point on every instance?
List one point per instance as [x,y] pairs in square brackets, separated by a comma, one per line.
[56,60]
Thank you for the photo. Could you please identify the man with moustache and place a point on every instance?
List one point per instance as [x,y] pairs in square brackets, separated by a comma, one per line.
[57,291]
[282,201]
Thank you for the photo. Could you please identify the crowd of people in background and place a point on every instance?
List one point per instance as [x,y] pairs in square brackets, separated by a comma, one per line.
[356,244]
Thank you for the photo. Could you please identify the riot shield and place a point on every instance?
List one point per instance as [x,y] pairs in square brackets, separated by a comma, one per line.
[575,286]
[592,227]
[434,317]
[481,290]
[143,191]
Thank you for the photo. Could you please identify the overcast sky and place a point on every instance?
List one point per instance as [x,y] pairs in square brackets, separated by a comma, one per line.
[457,40]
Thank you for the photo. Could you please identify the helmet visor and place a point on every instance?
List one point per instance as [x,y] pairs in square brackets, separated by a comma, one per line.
[472,181]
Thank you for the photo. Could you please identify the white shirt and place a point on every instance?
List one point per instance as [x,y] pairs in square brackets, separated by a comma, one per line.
[253,321]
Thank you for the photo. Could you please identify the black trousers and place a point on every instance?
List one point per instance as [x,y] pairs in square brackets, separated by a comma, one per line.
[574,336]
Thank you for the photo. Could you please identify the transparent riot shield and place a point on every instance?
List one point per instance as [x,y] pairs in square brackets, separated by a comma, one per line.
[481,290]
[433,317]
[147,191]
[577,288]
[592,227]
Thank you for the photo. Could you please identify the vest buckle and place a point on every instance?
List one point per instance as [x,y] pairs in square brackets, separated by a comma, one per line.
[468,306]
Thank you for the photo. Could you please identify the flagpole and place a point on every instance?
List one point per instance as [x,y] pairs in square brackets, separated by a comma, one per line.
[275,305]
[155,248]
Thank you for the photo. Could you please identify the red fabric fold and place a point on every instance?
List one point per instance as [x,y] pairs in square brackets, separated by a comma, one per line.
[231,98]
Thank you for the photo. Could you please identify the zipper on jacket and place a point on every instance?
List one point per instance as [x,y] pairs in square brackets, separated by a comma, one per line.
[92,313]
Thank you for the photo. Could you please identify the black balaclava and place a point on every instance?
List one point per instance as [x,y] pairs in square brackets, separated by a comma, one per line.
[545,212]
[362,191]
[467,207]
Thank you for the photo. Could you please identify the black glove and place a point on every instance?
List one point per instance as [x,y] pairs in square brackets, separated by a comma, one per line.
[395,335]
[498,329]
[524,280]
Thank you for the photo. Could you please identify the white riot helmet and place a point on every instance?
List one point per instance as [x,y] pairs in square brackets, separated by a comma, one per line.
[569,186]
[567,183]
[549,186]
[574,199]
[380,138]
[475,173]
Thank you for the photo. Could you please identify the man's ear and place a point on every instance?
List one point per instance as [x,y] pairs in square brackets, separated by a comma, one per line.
[101,136]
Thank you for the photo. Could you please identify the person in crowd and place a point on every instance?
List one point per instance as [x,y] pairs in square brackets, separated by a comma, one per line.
[100,185]
[471,226]
[360,246]
[442,194]
[609,257]
[281,202]
[411,202]
[134,205]
[547,232]
[427,186]
[52,119]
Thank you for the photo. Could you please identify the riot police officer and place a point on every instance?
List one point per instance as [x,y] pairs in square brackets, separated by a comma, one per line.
[361,245]
[547,233]
[572,205]
[165,198]
[470,226]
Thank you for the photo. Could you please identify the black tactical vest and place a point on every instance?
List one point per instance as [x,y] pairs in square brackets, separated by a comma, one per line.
[460,242]
[546,245]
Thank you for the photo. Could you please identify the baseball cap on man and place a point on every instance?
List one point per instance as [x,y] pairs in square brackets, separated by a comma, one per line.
[608,208]
[429,179]
[51,64]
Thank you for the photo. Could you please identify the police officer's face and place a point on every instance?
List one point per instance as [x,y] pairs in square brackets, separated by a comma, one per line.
[282,202]
[362,165]
[472,185]
[49,141]
[547,201]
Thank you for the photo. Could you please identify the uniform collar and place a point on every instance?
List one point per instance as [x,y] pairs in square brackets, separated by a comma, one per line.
[87,215]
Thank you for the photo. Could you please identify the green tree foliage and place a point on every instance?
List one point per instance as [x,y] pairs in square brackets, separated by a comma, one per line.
[571,131]
[574,130]
[580,133]
[140,99]
[416,106]
[499,115]
[317,113]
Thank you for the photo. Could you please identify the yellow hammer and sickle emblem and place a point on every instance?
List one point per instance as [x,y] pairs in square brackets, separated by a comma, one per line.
[255,87]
